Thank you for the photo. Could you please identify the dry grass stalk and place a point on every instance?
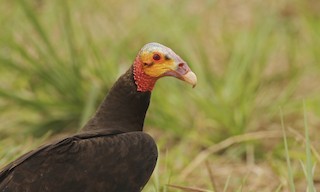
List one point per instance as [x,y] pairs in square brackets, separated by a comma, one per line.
[301,138]
[211,177]
[189,189]
[203,155]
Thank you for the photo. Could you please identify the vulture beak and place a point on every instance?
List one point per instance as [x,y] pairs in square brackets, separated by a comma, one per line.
[182,71]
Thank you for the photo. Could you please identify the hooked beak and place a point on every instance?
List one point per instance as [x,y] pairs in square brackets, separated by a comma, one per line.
[183,72]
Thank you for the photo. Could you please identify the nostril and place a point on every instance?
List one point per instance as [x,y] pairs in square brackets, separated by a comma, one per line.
[181,64]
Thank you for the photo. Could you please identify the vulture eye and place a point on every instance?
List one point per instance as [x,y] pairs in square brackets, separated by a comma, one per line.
[156,57]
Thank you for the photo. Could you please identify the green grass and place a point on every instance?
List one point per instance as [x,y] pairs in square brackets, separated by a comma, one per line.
[309,164]
[290,174]
[58,60]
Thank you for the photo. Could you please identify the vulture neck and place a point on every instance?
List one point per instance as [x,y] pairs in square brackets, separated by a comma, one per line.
[123,109]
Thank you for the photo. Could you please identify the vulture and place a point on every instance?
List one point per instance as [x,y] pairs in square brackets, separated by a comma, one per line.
[111,152]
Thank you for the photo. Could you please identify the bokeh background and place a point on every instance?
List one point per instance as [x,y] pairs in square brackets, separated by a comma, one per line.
[258,68]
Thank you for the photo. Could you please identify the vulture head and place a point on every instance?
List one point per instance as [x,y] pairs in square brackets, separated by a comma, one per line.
[155,61]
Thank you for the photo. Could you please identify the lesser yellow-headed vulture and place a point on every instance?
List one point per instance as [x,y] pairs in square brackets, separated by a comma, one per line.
[111,153]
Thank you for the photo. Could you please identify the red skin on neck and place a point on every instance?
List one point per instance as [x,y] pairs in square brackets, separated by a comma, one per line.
[143,81]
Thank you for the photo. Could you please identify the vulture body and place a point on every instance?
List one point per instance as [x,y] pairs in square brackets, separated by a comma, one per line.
[111,153]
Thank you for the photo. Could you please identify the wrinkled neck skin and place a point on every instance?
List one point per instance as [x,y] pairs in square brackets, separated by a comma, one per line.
[124,108]
[143,81]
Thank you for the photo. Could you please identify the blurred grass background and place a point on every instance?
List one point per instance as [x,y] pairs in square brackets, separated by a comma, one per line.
[59,58]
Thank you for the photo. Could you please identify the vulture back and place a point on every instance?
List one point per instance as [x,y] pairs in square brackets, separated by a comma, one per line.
[126,162]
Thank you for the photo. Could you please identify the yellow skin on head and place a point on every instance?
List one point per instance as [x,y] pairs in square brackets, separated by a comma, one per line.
[155,61]
[156,68]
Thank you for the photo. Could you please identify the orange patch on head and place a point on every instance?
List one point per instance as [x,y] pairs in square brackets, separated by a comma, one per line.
[155,63]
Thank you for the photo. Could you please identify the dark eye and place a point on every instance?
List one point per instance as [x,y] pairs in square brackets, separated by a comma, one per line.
[156,57]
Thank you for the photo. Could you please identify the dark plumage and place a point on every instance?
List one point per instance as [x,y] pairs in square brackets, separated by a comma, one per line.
[111,153]
[124,108]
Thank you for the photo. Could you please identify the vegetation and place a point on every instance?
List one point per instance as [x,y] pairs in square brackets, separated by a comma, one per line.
[59,58]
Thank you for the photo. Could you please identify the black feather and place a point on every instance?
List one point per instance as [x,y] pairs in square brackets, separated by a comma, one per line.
[111,153]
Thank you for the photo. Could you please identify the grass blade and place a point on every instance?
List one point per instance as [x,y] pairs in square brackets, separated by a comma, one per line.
[39,29]
[290,175]
[308,168]
[227,184]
